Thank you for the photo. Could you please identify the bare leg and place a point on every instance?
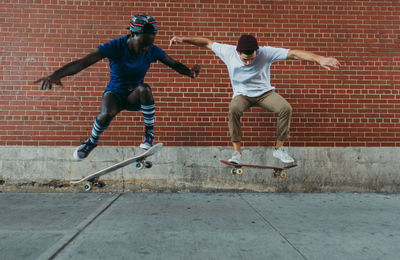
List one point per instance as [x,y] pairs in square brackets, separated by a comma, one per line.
[142,99]
[109,109]
[236,147]
[279,144]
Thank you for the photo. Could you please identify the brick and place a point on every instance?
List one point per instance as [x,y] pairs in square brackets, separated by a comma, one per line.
[356,106]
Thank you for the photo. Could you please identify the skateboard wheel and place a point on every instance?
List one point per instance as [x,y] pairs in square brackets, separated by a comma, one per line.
[274,174]
[87,186]
[139,165]
[283,175]
[239,171]
[233,171]
[148,164]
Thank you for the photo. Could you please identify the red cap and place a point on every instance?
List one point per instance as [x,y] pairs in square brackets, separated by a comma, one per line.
[247,43]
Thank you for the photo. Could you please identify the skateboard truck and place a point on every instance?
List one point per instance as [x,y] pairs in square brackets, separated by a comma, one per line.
[277,173]
[237,170]
[145,164]
[93,182]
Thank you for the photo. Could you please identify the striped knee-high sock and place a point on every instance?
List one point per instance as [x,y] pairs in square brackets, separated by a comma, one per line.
[97,131]
[148,110]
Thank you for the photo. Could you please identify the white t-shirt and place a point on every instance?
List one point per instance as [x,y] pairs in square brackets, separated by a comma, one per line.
[252,80]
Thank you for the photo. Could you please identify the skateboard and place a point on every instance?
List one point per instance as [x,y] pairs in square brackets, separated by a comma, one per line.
[277,171]
[93,179]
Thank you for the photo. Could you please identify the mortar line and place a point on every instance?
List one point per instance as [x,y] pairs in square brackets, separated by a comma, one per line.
[78,232]
[274,228]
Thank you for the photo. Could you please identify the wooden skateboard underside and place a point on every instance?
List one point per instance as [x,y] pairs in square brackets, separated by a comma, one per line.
[140,163]
[277,171]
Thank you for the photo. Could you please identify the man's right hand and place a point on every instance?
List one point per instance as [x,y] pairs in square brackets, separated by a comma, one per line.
[70,69]
[47,82]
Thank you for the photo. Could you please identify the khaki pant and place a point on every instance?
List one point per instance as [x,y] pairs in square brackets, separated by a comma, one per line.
[269,101]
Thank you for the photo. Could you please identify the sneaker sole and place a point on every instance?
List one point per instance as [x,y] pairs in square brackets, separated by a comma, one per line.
[291,161]
[236,162]
[76,157]
[145,147]
[284,160]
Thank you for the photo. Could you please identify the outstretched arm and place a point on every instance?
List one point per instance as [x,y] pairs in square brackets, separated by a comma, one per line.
[181,68]
[325,62]
[197,41]
[70,69]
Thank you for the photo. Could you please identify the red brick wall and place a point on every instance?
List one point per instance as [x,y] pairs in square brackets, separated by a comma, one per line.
[356,106]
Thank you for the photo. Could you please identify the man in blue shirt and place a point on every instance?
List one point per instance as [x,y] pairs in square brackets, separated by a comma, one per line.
[130,57]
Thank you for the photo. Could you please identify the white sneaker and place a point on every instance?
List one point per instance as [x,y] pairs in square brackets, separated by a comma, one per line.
[148,141]
[236,158]
[281,154]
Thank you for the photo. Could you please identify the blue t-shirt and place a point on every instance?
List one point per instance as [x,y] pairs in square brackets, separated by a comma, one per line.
[127,70]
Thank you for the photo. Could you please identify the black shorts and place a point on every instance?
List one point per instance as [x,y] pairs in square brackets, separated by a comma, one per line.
[122,99]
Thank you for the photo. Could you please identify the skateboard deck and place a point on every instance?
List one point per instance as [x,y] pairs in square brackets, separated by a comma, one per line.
[93,179]
[277,171]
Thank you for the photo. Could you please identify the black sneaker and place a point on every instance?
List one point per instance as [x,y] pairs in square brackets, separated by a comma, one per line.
[83,150]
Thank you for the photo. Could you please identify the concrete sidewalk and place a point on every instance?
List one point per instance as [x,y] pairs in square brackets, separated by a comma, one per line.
[199,226]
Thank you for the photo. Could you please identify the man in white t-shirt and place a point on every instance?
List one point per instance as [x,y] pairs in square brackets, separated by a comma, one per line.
[249,70]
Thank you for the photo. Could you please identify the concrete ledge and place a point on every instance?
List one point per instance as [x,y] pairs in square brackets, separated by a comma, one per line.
[197,169]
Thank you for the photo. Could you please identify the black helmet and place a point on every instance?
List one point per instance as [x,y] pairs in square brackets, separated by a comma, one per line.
[143,23]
